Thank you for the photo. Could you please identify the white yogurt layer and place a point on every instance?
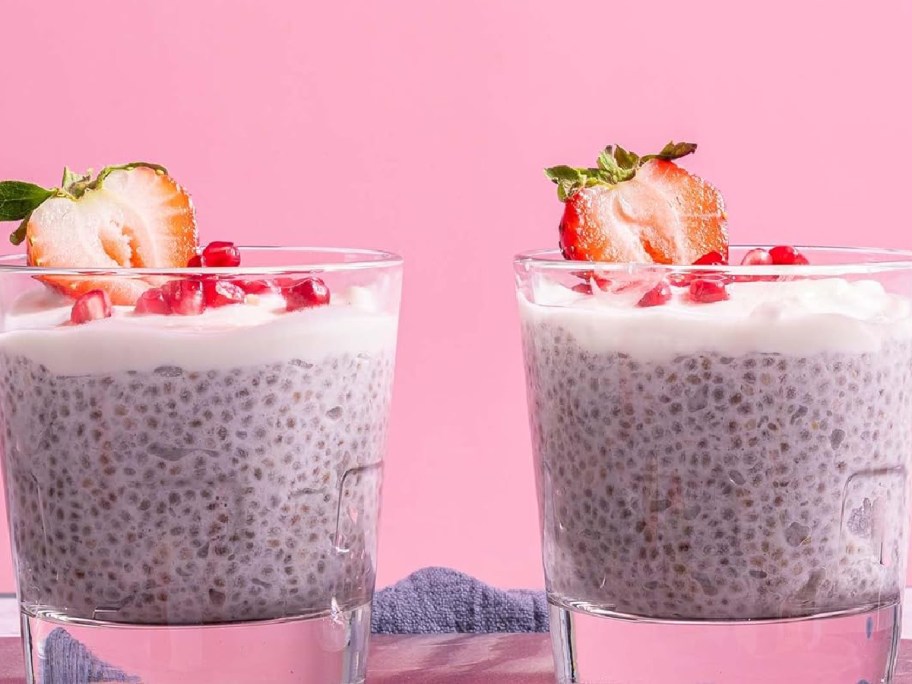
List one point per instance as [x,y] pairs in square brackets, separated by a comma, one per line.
[258,332]
[799,317]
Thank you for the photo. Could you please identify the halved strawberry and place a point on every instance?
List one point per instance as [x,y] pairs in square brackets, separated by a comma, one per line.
[129,216]
[639,209]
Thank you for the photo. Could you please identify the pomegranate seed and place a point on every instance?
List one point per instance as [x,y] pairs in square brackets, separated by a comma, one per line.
[152,302]
[706,290]
[196,261]
[285,282]
[185,297]
[306,293]
[757,257]
[590,277]
[680,279]
[222,293]
[784,255]
[711,259]
[582,288]
[258,286]
[603,283]
[656,296]
[221,254]
[91,306]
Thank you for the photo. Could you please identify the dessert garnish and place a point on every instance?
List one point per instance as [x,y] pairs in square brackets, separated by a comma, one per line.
[91,306]
[784,255]
[306,293]
[648,210]
[707,290]
[635,209]
[133,216]
[657,295]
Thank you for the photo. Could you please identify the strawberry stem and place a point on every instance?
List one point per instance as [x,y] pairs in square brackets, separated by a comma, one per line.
[17,237]
[615,165]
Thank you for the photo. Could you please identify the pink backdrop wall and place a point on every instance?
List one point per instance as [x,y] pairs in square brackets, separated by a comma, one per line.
[422,127]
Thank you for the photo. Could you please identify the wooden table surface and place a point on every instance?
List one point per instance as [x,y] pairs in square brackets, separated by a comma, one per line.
[442,659]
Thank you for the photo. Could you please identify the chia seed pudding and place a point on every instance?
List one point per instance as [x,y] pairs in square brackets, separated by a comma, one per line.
[198,471]
[739,460]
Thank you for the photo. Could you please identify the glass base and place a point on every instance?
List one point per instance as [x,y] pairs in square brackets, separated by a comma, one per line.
[325,649]
[845,648]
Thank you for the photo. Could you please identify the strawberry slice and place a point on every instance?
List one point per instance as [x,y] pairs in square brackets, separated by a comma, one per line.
[639,209]
[128,216]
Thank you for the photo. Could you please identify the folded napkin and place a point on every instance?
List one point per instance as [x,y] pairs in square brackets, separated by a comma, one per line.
[435,600]
[429,601]
[65,661]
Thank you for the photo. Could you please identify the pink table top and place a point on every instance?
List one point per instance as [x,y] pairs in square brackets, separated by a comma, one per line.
[443,659]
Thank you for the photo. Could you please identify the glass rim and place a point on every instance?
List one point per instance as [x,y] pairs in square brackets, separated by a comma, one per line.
[884,260]
[364,259]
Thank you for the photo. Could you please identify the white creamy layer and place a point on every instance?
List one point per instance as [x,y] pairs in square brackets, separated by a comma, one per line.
[798,317]
[226,337]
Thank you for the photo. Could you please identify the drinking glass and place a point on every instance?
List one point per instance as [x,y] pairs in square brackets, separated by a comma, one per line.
[196,497]
[723,477]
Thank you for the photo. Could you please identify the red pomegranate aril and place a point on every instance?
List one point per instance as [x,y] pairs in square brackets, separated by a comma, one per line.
[656,296]
[711,259]
[679,279]
[222,293]
[221,254]
[185,297]
[152,302]
[196,261]
[258,286]
[306,293]
[92,306]
[591,278]
[707,290]
[582,288]
[757,257]
[786,255]
[602,283]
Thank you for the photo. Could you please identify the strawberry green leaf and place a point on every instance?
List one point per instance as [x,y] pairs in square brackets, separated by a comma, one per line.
[18,199]
[17,237]
[618,164]
[615,165]
[564,174]
[568,180]
[626,160]
[672,151]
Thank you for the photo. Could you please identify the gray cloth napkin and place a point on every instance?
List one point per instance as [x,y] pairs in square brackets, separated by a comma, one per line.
[66,661]
[429,601]
[435,600]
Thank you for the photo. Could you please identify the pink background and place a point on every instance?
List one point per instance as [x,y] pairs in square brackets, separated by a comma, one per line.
[422,127]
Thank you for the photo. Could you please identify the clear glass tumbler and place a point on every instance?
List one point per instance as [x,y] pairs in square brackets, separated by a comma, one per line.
[723,478]
[196,497]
